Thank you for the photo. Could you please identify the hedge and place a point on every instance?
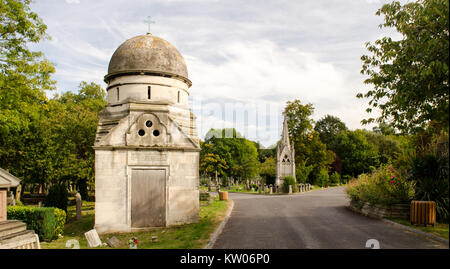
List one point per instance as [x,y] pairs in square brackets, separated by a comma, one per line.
[289,180]
[47,222]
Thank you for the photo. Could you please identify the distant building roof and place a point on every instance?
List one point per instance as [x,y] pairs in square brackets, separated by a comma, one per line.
[7,180]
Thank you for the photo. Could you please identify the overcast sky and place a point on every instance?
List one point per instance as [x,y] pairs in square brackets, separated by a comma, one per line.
[244,57]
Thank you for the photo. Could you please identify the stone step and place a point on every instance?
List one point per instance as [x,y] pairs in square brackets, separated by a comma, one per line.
[15,235]
[25,239]
[11,226]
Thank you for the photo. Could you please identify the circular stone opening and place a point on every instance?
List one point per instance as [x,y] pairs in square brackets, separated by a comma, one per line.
[148,123]
[155,132]
[141,132]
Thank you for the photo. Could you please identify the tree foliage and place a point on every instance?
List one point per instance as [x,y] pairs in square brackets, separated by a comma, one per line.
[231,156]
[328,127]
[357,155]
[309,149]
[410,76]
[24,74]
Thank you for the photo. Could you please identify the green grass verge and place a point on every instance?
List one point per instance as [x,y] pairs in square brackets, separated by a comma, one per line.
[189,236]
[440,229]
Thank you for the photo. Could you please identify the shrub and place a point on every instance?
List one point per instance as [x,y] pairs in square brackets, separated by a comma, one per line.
[58,196]
[22,213]
[43,222]
[335,178]
[431,174]
[47,222]
[302,172]
[322,178]
[289,180]
[383,186]
[61,217]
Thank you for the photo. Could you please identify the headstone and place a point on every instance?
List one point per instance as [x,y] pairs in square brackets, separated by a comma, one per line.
[78,202]
[92,238]
[290,189]
[18,192]
[259,189]
[270,189]
[113,242]
[253,189]
[154,239]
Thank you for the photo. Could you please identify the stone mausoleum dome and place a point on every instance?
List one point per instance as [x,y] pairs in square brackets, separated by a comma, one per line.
[149,55]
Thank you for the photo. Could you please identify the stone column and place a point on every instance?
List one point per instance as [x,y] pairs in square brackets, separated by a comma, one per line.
[18,192]
[78,205]
[290,189]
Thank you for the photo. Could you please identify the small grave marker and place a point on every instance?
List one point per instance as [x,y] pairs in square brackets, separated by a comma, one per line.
[92,238]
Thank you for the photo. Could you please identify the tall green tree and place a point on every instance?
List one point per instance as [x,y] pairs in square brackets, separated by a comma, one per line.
[357,155]
[410,76]
[309,150]
[25,75]
[74,118]
[239,155]
[328,127]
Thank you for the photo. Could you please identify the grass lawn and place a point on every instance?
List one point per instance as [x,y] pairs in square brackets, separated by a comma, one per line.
[241,189]
[440,229]
[189,236]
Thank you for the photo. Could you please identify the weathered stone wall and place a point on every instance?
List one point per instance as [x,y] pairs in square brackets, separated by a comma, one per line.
[111,190]
[396,211]
[113,201]
[136,87]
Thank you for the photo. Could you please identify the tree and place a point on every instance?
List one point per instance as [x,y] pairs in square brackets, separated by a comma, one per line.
[24,74]
[268,170]
[211,163]
[24,78]
[74,118]
[357,155]
[328,127]
[388,147]
[239,154]
[309,150]
[411,75]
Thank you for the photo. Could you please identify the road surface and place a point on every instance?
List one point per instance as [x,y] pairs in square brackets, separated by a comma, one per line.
[318,219]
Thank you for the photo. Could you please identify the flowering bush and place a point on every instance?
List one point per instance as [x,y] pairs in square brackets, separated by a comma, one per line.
[384,186]
[133,242]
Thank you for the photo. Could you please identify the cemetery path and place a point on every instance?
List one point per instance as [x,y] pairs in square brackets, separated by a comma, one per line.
[317,219]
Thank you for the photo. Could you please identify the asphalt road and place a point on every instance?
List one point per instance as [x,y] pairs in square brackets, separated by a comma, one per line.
[317,219]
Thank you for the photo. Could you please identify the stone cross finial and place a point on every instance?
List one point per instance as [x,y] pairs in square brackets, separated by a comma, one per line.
[149,21]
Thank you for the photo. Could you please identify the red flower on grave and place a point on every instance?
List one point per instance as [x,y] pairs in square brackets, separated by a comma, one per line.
[136,241]
[392,182]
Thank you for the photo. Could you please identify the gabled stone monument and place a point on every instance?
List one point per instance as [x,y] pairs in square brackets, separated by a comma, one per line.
[146,147]
[285,157]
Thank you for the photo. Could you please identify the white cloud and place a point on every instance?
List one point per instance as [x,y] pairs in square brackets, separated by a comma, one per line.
[72,1]
[236,51]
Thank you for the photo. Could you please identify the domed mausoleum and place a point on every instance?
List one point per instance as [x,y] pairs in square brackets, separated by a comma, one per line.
[146,147]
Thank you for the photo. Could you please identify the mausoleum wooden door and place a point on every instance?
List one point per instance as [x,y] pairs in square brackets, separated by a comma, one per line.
[148,198]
